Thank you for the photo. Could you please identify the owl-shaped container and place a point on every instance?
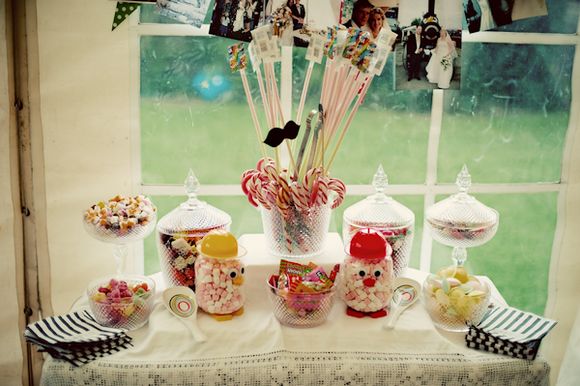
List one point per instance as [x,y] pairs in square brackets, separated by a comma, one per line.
[367,275]
[219,273]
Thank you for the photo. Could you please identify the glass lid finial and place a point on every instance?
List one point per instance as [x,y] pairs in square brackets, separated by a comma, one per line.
[191,185]
[380,180]
[463,180]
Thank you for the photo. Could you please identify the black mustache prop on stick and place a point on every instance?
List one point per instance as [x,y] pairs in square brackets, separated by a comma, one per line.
[277,135]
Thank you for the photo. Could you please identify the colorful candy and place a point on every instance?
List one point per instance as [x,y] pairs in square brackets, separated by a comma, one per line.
[121,303]
[121,215]
[368,275]
[237,57]
[264,186]
[454,298]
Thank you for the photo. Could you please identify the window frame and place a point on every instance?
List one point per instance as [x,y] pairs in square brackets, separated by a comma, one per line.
[430,189]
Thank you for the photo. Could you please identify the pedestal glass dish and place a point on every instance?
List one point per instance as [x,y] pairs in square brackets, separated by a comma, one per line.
[120,221]
[452,297]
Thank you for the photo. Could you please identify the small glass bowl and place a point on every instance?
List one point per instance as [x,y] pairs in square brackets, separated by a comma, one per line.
[128,313]
[454,308]
[301,310]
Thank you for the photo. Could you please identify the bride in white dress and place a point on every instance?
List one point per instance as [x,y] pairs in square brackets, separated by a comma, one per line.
[487,21]
[440,66]
[239,20]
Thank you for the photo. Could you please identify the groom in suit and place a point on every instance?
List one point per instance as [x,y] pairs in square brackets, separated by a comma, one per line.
[414,54]
[360,14]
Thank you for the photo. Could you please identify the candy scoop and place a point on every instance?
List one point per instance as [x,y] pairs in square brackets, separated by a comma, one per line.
[180,301]
[405,294]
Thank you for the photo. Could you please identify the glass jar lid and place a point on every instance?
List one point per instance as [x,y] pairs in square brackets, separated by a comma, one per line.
[379,210]
[193,215]
[462,210]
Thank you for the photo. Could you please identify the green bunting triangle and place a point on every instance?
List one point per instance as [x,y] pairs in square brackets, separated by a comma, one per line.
[122,12]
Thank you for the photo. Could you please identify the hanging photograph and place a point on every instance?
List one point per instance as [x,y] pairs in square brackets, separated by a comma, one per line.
[483,15]
[294,20]
[184,11]
[428,49]
[235,19]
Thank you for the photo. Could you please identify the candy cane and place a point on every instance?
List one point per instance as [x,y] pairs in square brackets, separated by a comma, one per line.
[337,186]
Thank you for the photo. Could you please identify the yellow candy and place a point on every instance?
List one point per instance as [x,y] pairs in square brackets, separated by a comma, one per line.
[128,311]
[99,297]
[441,297]
[461,274]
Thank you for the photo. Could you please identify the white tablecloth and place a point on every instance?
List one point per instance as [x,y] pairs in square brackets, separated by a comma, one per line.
[255,349]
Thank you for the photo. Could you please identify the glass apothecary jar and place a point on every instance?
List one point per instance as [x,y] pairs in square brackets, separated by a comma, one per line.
[180,230]
[394,220]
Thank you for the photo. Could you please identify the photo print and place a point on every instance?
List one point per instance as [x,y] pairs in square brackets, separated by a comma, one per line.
[184,11]
[483,15]
[295,20]
[374,16]
[428,53]
[235,19]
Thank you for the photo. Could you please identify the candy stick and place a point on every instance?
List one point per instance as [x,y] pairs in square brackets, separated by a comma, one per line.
[272,74]
[349,120]
[314,54]
[238,62]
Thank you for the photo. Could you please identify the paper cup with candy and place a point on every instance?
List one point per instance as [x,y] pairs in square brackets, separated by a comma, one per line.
[454,299]
[219,273]
[121,302]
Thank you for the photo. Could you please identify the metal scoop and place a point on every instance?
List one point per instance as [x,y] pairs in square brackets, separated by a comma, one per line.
[405,294]
[180,301]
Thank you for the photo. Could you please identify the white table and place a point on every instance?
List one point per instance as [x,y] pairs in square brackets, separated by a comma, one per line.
[255,349]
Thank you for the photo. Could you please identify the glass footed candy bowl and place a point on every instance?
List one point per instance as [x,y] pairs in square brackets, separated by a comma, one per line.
[121,220]
[461,220]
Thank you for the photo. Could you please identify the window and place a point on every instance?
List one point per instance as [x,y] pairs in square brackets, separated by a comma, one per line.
[508,124]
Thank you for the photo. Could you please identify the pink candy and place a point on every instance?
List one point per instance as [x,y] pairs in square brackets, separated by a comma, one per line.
[217,288]
[367,286]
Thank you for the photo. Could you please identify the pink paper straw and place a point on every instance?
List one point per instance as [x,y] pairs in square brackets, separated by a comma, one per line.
[253,111]
[349,120]
[304,92]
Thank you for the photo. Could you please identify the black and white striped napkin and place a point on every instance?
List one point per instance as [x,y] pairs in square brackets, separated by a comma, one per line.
[76,337]
[509,331]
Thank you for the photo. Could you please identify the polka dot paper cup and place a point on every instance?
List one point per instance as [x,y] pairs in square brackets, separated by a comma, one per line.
[301,310]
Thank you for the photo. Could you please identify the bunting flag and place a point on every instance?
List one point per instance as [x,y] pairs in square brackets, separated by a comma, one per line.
[122,12]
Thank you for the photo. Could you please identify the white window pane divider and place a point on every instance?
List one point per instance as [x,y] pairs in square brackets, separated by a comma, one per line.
[429,190]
